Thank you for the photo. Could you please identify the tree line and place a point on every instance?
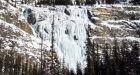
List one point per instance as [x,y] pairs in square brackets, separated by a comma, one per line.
[116,59]
[71,2]
[120,58]
[14,63]
[75,2]
[83,2]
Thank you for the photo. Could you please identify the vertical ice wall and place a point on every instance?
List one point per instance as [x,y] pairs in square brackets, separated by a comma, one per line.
[69,32]
[70,35]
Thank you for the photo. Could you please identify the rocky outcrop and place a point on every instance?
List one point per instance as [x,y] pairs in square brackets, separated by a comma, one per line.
[112,22]
[30,16]
[13,18]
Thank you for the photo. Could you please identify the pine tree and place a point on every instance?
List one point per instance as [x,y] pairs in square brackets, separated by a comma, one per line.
[123,60]
[107,63]
[15,3]
[1,56]
[1,61]
[92,57]
[7,1]
[35,3]
[135,63]
[110,1]
[72,72]
[96,59]
[1,44]
[90,2]
[17,65]
[135,2]
[79,71]
[116,58]
[35,69]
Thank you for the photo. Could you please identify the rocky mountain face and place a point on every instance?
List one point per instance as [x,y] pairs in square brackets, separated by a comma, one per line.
[69,26]
[121,22]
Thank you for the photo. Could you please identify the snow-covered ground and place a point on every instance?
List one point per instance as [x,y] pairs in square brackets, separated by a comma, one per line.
[24,42]
[117,19]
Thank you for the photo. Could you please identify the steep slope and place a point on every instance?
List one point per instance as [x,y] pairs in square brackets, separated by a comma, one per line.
[70,27]
[120,21]
[15,31]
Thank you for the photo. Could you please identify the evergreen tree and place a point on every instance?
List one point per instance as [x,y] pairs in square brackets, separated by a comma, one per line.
[1,56]
[1,61]
[116,58]
[110,1]
[72,72]
[135,63]
[106,65]
[90,2]
[123,60]
[7,1]
[15,3]
[90,53]
[18,64]
[135,2]
[79,71]
[35,69]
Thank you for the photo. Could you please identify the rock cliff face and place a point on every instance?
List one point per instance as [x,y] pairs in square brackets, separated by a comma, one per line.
[15,30]
[69,25]
[121,22]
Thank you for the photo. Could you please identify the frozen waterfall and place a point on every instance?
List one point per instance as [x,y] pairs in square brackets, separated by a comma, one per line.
[69,32]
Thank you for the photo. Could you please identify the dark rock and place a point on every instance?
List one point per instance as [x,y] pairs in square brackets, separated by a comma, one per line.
[26,12]
[67,12]
[46,30]
[29,10]
[132,17]
[66,31]
[90,16]
[38,28]
[29,15]
[31,19]
[75,38]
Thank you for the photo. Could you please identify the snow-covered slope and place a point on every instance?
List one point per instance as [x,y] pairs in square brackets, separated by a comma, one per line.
[23,42]
[121,21]
[17,34]
[70,26]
